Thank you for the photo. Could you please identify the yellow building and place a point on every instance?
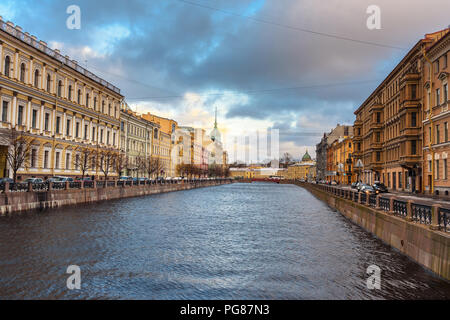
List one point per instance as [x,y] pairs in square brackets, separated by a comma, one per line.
[306,169]
[58,104]
[164,141]
[342,151]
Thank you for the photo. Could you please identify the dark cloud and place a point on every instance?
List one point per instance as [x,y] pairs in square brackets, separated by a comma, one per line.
[173,47]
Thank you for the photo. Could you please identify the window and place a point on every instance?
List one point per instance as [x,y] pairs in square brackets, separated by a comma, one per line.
[77,162]
[79,96]
[59,88]
[446,132]
[87,99]
[69,93]
[438,138]
[68,127]
[46,153]
[413,91]
[22,72]
[122,126]
[378,136]
[77,130]
[57,160]
[20,116]
[95,103]
[101,136]
[109,109]
[445,62]
[413,147]
[93,133]
[33,158]
[445,169]
[378,156]
[7,66]
[429,134]
[67,161]
[36,78]
[438,96]
[34,119]
[103,106]
[414,119]
[49,83]
[107,138]
[429,166]
[436,172]
[400,180]
[436,66]
[5,111]
[445,93]
[58,124]
[86,132]
[114,139]
[155,134]
[46,121]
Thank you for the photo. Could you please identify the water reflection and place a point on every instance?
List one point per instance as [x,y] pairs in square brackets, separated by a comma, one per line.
[240,241]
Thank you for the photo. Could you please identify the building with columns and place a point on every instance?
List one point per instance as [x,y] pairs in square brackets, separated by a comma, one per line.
[55,102]
[136,141]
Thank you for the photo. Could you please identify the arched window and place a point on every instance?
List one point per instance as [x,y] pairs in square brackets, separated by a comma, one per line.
[22,72]
[70,93]
[79,96]
[7,65]
[59,88]
[49,83]
[36,78]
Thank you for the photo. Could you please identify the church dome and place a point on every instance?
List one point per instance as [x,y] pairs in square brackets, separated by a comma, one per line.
[306,157]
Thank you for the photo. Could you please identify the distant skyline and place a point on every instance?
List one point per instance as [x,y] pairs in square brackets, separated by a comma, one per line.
[250,59]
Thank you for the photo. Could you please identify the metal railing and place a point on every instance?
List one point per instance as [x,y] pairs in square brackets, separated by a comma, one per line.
[400,208]
[373,200]
[444,219]
[421,213]
[385,204]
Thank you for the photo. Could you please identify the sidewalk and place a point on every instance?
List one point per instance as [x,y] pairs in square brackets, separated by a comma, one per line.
[420,198]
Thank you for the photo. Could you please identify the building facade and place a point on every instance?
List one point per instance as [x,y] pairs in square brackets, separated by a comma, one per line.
[136,142]
[62,107]
[436,114]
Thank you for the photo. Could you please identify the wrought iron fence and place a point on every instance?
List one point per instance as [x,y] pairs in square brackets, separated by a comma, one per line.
[385,204]
[111,183]
[363,197]
[18,186]
[75,184]
[40,186]
[444,219]
[373,200]
[58,185]
[100,184]
[89,184]
[421,213]
[400,208]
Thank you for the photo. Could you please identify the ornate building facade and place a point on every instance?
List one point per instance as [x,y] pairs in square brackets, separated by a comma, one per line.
[388,126]
[55,102]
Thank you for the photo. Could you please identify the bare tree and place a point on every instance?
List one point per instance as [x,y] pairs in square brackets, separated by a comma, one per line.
[83,160]
[286,160]
[154,166]
[19,154]
[141,165]
[120,162]
[105,162]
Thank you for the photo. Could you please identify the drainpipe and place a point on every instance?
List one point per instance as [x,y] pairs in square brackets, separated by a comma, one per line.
[430,117]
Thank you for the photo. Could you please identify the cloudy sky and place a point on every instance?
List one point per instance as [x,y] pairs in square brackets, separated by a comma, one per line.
[299,66]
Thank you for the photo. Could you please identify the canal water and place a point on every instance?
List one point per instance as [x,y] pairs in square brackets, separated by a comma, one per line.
[239,241]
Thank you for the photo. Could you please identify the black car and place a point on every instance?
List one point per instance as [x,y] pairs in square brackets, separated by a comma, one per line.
[381,188]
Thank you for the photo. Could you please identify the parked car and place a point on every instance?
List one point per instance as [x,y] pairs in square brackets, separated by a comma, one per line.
[84,179]
[333,183]
[34,180]
[5,180]
[380,187]
[125,178]
[368,189]
[354,185]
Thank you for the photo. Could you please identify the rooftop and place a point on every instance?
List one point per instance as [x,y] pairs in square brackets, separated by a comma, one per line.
[32,41]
